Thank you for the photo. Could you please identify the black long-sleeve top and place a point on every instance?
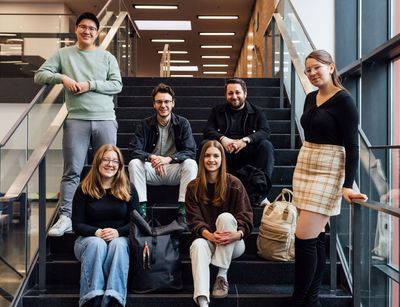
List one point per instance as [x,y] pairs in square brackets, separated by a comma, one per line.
[89,214]
[334,122]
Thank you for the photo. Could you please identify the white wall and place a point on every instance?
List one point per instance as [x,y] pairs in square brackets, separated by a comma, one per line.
[318,17]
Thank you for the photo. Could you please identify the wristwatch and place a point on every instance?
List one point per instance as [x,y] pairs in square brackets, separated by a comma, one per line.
[246,139]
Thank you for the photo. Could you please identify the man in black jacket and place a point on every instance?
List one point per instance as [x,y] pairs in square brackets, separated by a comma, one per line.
[163,150]
[243,130]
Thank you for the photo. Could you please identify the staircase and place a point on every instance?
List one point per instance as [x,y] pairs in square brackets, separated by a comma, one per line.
[253,280]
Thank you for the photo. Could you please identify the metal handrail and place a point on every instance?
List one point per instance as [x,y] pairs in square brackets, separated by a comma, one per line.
[165,62]
[377,206]
[37,156]
[23,177]
[298,66]
[22,116]
[37,160]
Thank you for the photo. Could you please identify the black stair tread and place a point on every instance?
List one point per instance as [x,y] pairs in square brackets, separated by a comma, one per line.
[194,112]
[280,141]
[245,289]
[153,81]
[208,101]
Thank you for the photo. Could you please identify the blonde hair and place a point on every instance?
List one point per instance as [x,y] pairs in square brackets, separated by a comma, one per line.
[92,184]
[200,188]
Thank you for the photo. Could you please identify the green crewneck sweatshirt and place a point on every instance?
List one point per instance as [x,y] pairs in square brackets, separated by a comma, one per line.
[99,67]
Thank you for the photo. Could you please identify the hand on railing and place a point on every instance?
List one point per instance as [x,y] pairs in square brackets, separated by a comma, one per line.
[350,194]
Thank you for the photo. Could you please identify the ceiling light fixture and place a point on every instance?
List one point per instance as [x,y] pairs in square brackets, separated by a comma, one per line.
[155,7]
[183,68]
[217,17]
[179,61]
[216,46]
[164,25]
[217,33]
[167,40]
[173,52]
[182,76]
[215,65]
[214,72]
[8,34]
[215,57]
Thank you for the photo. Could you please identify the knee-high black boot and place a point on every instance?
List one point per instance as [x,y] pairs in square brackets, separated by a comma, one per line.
[305,266]
[312,299]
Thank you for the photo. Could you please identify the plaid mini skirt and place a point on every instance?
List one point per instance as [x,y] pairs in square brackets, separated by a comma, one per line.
[318,178]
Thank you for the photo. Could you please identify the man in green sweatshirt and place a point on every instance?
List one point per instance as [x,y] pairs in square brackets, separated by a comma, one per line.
[91,77]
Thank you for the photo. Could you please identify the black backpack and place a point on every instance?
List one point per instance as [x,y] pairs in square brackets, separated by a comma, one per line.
[155,264]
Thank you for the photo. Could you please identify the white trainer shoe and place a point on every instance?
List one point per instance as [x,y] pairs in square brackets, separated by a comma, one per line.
[64,224]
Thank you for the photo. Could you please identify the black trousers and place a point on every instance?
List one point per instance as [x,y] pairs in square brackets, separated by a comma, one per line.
[259,155]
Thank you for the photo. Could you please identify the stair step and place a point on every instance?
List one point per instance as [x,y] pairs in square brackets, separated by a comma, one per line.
[240,271]
[283,157]
[280,141]
[62,248]
[145,90]
[194,112]
[277,126]
[254,295]
[191,82]
[199,101]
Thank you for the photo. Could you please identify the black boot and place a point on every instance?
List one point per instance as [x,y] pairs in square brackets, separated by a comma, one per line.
[305,266]
[312,299]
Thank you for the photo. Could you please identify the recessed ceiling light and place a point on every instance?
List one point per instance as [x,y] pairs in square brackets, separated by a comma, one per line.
[155,7]
[214,72]
[215,46]
[167,40]
[173,52]
[179,61]
[183,68]
[215,65]
[182,76]
[217,33]
[217,17]
[164,25]
[215,57]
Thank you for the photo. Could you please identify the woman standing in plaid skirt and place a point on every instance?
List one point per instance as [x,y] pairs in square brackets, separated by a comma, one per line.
[325,171]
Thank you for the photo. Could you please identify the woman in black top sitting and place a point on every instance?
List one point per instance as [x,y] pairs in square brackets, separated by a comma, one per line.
[100,217]
[324,172]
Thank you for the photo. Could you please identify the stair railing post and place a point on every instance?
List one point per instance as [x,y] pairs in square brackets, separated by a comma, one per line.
[356,254]
[273,49]
[281,59]
[127,56]
[293,106]
[332,252]
[42,225]
[266,53]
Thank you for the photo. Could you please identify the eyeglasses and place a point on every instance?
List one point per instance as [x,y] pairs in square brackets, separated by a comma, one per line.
[162,101]
[309,70]
[90,28]
[107,161]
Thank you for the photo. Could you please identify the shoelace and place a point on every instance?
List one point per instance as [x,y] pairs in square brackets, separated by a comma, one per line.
[222,284]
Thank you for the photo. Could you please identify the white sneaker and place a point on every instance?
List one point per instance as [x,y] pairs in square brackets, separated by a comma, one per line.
[64,224]
[265,202]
